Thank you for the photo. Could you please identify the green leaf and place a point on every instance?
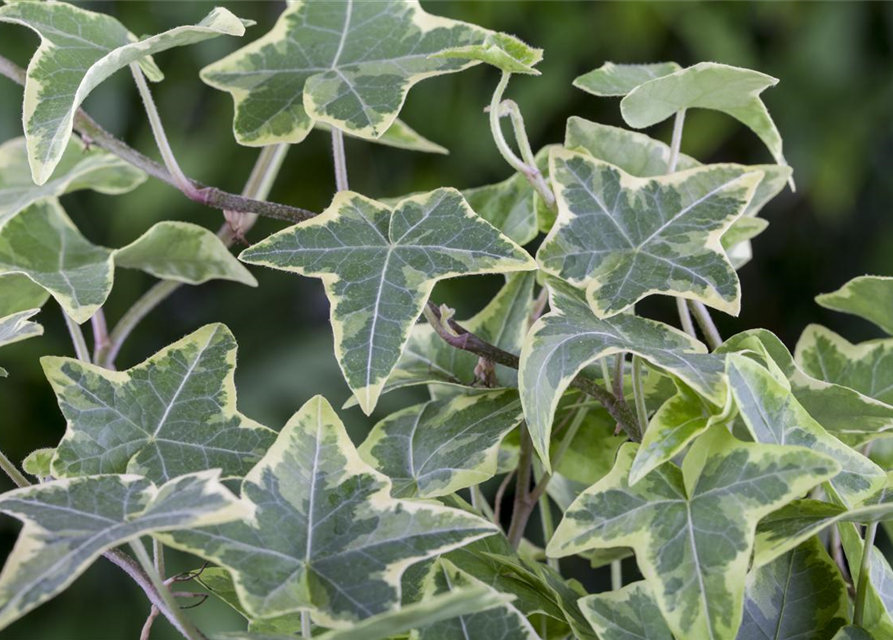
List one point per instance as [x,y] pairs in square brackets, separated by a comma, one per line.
[175,413]
[736,241]
[611,79]
[79,168]
[851,632]
[69,523]
[439,447]
[400,136]
[499,50]
[869,297]
[508,206]
[379,264]
[692,529]
[799,596]
[183,252]
[20,293]
[570,337]
[325,536]
[17,327]
[43,244]
[38,462]
[706,85]
[590,455]
[658,235]
[773,415]
[349,64]
[626,614]
[78,50]
[878,614]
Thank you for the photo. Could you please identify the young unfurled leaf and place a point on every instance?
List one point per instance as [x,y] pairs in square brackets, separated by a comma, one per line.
[499,50]
[624,238]
[706,85]
[79,168]
[173,414]
[878,615]
[625,614]
[326,536]
[800,595]
[439,447]
[615,80]
[693,529]
[38,463]
[183,252]
[79,49]
[400,136]
[349,64]
[570,337]
[773,415]
[69,523]
[43,244]
[866,367]
[16,327]
[869,297]
[379,264]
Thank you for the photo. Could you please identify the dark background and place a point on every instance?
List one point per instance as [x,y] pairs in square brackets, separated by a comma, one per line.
[833,107]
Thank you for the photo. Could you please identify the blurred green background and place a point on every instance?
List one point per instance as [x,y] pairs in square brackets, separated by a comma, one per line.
[834,107]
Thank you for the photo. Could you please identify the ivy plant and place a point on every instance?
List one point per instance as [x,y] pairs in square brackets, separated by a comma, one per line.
[726,486]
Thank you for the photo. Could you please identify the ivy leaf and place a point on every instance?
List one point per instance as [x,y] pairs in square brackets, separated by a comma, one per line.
[69,523]
[499,50]
[439,447]
[349,64]
[800,595]
[325,537]
[736,241]
[38,462]
[625,614]
[614,80]
[19,293]
[624,238]
[17,327]
[399,136]
[692,529]
[43,244]
[508,206]
[175,413]
[707,85]
[878,614]
[570,337]
[851,632]
[183,252]
[773,415]
[379,264]
[79,168]
[79,49]
[869,297]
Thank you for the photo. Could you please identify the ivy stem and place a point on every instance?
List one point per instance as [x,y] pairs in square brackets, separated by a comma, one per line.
[606,373]
[548,525]
[158,557]
[12,471]
[702,315]
[183,623]
[523,506]
[616,575]
[305,625]
[639,393]
[100,333]
[685,317]
[340,158]
[676,142]
[77,338]
[864,574]
[128,322]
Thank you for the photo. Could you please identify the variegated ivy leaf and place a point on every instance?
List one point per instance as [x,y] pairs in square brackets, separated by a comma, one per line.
[799,596]
[20,293]
[571,337]
[851,632]
[869,297]
[326,536]
[623,238]
[79,49]
[38,462]
[183,252]
[175,413]
[707,85]
[773,415]
[43,244]
[400,136]
[693,529]
[17,327]
[736,241]
[626,614]
[508,206]
[378,265]
[616,80]
[439,447]
[349,64]
[499,50]
[79,168]
[878,614]
[865,367]
[69,523]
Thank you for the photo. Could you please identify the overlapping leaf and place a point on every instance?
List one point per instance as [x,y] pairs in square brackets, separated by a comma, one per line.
[508,206]
[20,293]
[851,632]
[625,614]
[326,536]
[693,529]
[379,264]
[878,613]
[623,238]
[400,136]
[349,64]
[570,337]
[175,413]
[17,326]
[439,447]
[79,49]
[69,523]
[617,80]
[869,297]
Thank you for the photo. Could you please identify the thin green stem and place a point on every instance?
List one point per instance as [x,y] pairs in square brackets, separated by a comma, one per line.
[128,322]
[522,507]
[158,558]
[100,333]
[702,315]
[676,142]
[546,521]
[639,393]
[616,575]
[606,373]
[260,183]
[183,623]
[340,158]
[685,317]
[864,574]
[12,471]
[305,625]
[77,338]
[496,127]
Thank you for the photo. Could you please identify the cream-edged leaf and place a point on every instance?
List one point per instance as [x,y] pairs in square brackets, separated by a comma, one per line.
[78,50]
[175,413]
[17,326]
[399,136]
[629,613]
[624,238]
[869,297]
[69,523]
[692,528]
[499,50]
[614,80]
[379,264]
